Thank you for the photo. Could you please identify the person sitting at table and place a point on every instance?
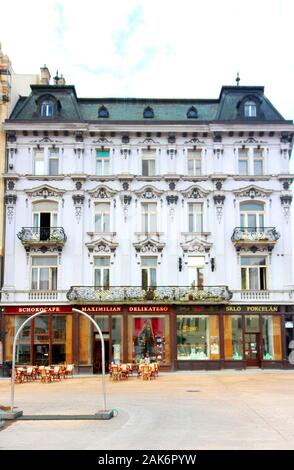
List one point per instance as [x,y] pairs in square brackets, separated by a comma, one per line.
[147,359]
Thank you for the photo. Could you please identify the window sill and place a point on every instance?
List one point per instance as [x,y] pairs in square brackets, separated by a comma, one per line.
[195,178]
[44,177]
[252,177]
[101,234]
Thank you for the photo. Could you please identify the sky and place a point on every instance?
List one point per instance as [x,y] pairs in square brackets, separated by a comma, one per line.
[155,48]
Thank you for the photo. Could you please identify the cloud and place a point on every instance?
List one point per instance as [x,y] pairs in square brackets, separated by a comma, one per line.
[187,48]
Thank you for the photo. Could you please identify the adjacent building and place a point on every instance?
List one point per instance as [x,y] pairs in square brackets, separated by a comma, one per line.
[168,220]
[11,86]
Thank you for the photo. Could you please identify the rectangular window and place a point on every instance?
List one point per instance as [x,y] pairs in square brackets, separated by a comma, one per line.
[102,162]
[272,348]
[252,216]
[149,217]
[196,271]
[148,163]
[243,161]
[258,162]
[117,338]
[44,273]
[253,272]
[233,337]
[149,272]
[102,272]
[39,165]
[23,348]
[41,334]
[198,338]
[195,211]
[102,217]
[194,162]
[289,329]
[53,161]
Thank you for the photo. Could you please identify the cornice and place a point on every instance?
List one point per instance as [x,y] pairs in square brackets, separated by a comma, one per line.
[163,126]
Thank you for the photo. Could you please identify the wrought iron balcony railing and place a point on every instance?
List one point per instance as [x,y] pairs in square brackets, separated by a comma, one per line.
[255,234]
[158,294]
[42,234]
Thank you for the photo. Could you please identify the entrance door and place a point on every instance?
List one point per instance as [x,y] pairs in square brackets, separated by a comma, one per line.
[41,355]
[97,355]
[252,349]
[45,225]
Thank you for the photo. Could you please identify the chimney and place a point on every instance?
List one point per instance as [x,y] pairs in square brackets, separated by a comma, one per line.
[45,76]
[61,80]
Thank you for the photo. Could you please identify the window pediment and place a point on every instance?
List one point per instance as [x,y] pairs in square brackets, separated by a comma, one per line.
[149,246]
[149,192]
[102,192]
[101,245]
[252,192]
[196,245]
[195,192]
[44,192]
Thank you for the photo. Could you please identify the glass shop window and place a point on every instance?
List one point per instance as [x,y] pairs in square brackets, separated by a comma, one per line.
[233,337]
[272,348]
[198,338]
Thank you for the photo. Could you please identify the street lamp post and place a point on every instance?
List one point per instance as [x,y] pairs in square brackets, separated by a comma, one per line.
[103,414]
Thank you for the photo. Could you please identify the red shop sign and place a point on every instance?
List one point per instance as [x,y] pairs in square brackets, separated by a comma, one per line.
[149,308]
[30,310]
[100,308]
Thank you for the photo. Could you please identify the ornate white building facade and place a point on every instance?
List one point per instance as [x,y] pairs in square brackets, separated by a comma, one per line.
[169,220]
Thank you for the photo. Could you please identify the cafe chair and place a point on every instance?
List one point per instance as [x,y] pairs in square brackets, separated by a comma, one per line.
[116,373]
[69,370]
[146,372]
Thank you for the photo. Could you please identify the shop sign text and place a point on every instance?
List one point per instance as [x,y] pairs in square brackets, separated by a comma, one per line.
[252,308]
[149,308]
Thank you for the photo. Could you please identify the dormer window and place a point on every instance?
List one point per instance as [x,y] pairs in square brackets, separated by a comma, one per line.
[47,108]
[103,112]
[148,113]
[192,113]
[250,109]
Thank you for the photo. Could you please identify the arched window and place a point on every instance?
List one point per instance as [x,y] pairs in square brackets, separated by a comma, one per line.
[103,112]
[192,113]
[47,108]
[148,113]
[250,109]
[252,216]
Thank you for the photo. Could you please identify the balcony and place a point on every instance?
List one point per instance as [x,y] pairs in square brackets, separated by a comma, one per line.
[42,237]
[161,294]
[32,296]
[263,296]
[257,236]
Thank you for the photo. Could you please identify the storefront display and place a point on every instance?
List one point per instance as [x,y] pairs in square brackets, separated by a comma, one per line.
[177,336]
[150,338]
[198,338]
[45,340]
[289,329]
[272,348]
[233,337]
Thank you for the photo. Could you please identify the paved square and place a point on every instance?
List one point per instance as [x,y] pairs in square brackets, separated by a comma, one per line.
[250,409]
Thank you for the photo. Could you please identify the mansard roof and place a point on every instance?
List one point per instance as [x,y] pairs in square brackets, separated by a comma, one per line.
[131,110]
